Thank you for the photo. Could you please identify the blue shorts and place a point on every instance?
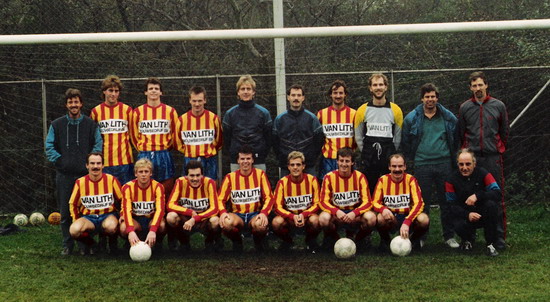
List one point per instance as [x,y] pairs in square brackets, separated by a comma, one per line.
[163,164]
[400,218]
[124,173]
[97,220]
[209,164]
[247,217]
[143,222]
[326,165]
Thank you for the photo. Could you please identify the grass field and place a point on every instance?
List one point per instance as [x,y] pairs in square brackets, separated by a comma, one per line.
[32,270]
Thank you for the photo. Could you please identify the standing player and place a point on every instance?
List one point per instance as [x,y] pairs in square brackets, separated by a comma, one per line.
[345,201]
[377,129]
[93,204]
[70,139]
[398,201]
[337,122]
[296,201]
[297,129]
[247,124]
[249,192]
[193,206]
[114,120]
[142,206]
[429,139]
[154,126]
[199,134]
[483,128]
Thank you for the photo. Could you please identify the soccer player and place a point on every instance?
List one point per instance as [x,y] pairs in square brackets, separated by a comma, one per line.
[483,128]
[247,124]
[296,199]
[93,205]
[249,193]
[193,206]
[398,202]
[430,140]
[199,134]
[70,139]
[345,201]
[377,129]
[337,122]
[154,126]
[297,129]
[142,213]
[474,195]
[114,120]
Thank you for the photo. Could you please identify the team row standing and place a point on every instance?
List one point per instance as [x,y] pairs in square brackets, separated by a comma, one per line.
[151,128]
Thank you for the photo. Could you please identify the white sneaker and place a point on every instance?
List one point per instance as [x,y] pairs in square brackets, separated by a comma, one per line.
[452,243]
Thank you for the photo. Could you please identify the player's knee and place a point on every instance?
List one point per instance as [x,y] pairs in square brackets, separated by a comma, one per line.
[324,219]
[172,218]
[423,220]
[75,230]
[277,223]
[370,219]
[313,220]
[214,223]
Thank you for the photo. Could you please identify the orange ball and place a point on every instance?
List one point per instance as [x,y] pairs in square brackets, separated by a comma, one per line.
[54,218]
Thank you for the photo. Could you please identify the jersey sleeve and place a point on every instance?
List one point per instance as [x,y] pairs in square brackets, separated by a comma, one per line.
[224,194]
[267,195]
[173,205]
[159,207]
[377,199]
[326,195]
[278,199]
[315,195]
[417,202]
[212,201]
[366,203]
[127,207]
[359,126]
[74,201]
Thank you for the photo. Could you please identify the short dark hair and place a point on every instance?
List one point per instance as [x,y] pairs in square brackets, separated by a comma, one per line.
[197,90]
[478,75]
[428,87]
[73,93]
[245,149]
[194,164]
[154,81]
[92,154]
[345,152]
[337,84]
[296,87]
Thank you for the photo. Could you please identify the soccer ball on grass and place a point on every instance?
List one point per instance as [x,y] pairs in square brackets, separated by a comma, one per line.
[140,252]
[344,248]
[400,247]
[20,220]
[37,218]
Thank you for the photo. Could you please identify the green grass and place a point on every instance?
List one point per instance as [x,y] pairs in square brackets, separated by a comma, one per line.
[32,270]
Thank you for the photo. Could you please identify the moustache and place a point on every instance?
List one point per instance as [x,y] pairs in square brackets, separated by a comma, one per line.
[95,169]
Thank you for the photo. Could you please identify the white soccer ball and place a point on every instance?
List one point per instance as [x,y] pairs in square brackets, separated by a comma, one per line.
[400,247]
[140,252]
[20,220]
[344,248]
[37,218]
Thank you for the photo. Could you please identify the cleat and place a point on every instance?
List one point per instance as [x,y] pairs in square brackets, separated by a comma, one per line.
[491,251]
[452,243]
[466,246]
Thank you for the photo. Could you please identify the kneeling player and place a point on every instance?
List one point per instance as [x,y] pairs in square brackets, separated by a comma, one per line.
[193,206]
[143,206]
[398,201]
[345,201]
[296,203]
[92,205]
[249,192]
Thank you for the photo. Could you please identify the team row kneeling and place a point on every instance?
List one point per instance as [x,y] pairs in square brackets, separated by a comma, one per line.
[245,201]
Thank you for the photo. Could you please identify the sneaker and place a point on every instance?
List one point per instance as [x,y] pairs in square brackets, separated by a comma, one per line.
[452,243]
[466,246]
[491,251]
[66,251]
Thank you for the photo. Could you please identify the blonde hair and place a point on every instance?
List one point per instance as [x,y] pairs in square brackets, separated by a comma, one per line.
[296,154]
[143,163]
[246,79]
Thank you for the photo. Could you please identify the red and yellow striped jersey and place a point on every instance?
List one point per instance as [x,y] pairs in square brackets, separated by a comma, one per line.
[345,193]
[338,129]
[294,198]
[138,201]
[403,197]
[247,194]
[199,135]
[114,124]
[154,127]
[185,199]
[94,197]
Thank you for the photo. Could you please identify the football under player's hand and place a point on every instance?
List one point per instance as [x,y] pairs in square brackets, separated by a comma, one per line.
[133,238]
[404,231]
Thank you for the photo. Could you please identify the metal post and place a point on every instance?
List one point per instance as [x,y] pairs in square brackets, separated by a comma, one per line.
[44,135]
[219,112]
[280,71]
[392,87]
